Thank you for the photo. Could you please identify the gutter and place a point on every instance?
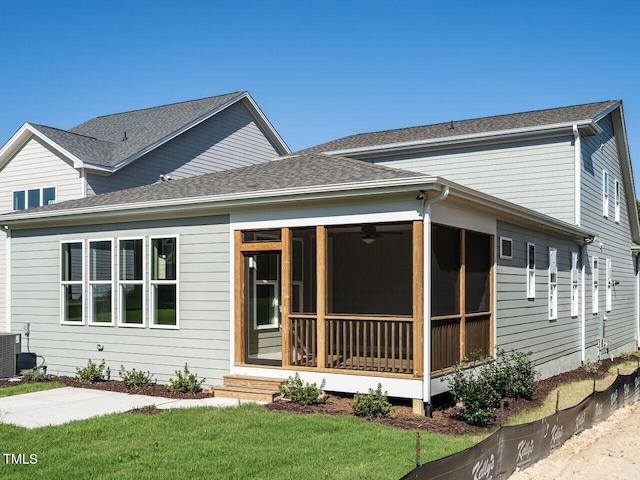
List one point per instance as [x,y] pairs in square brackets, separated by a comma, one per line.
[426,275]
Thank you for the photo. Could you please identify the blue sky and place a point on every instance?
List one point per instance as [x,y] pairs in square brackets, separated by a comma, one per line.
[319,69]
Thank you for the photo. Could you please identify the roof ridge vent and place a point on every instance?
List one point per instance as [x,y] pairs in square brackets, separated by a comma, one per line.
[451,127]
[124,138]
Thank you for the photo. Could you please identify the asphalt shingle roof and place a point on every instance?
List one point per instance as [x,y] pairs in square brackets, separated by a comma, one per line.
[537,118]
[101,141]
[288,172]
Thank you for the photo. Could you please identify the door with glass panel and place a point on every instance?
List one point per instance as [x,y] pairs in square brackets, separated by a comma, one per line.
[263,308]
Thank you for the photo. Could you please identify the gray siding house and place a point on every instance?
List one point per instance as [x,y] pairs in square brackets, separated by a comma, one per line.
[374,258]
[40,165]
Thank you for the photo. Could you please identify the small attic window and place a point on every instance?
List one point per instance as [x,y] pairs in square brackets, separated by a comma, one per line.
[506,248]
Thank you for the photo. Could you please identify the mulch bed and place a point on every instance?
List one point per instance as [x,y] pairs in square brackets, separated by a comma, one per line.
[445,417]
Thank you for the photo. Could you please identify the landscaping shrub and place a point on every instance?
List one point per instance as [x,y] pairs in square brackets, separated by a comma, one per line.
[591,366]
[34,374]
[135,378]
[302,393]
[479,391]
[372,404]
[93,372]
[477,398]
[185,382]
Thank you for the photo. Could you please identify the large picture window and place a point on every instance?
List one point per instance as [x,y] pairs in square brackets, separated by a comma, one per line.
[164,282]
[71,287]
[131,282]
[100,282]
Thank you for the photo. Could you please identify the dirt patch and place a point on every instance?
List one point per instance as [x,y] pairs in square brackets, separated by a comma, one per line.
[445,417]
[608,450]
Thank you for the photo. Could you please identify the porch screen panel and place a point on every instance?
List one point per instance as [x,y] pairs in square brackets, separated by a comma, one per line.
[477,272]
[445,271]
[303,270]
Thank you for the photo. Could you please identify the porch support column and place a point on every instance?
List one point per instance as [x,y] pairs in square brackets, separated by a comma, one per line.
[286,295]
[321,289]
[426,275]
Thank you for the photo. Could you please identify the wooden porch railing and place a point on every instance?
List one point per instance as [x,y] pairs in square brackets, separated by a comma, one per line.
[364,344]
[446,348]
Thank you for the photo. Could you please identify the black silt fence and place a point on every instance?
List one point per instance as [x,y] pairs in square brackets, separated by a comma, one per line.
[519,446]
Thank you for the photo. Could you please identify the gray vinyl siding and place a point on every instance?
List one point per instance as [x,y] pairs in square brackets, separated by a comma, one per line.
[601,152]
[203,339]
[538,174]
[229,139]
[35,165]
[523,324]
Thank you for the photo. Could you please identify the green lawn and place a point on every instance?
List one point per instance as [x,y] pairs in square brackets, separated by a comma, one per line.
[248,442]
[28,388]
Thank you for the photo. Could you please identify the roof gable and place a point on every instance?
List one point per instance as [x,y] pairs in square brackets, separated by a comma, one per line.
[111,142]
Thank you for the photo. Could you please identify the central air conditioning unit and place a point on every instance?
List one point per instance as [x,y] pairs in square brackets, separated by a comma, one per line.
[10,346]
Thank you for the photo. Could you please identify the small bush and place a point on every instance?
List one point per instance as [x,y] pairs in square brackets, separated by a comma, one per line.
[34,374]
[591,366]
[626,355]
[523,376]
[477,398]
[93,373]
[372,404]
[185,382]
[302,393]
[135,378]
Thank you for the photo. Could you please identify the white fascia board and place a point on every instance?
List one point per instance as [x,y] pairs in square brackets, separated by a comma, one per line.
[500,135]
[603,114]
[266,124]
[226,201]
[515,213]
[173,135]
[24,133]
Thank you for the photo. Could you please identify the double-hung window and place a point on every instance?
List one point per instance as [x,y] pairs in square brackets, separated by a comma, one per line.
[163,283]
[553,284]
[531,270]
[605,193]
[100,282]
[71,275]
[595,273]
[609,285]
[617,201]
[131,282]
[574,284]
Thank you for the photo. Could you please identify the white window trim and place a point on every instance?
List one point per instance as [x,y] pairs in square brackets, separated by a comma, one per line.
[175,282]
[605,193]
[609,290]
[503,255]
[531,272]
[617,194]
[553,283]
[575,280]
[595,269]
[26,196]
[63,283]
[91,283]
[142,282]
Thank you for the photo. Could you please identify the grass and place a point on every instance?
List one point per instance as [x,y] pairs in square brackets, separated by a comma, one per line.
[247,442]
[571,394]
[28,388]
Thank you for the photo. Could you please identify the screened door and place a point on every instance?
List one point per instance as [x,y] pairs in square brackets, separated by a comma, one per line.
[263,308]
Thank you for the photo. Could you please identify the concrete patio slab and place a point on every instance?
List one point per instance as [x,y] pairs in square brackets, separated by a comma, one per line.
[62,405]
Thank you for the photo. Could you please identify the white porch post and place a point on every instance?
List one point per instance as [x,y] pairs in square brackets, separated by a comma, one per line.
[426,348]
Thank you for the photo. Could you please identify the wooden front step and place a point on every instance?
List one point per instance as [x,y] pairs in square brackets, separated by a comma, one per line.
[252,382]
[245,387]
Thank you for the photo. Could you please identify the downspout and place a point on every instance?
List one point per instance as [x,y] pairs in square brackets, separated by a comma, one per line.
[577,169]
[7,274]
[426,246]
[577,166]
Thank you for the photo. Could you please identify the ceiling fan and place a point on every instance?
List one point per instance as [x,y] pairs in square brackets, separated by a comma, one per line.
[370,234]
